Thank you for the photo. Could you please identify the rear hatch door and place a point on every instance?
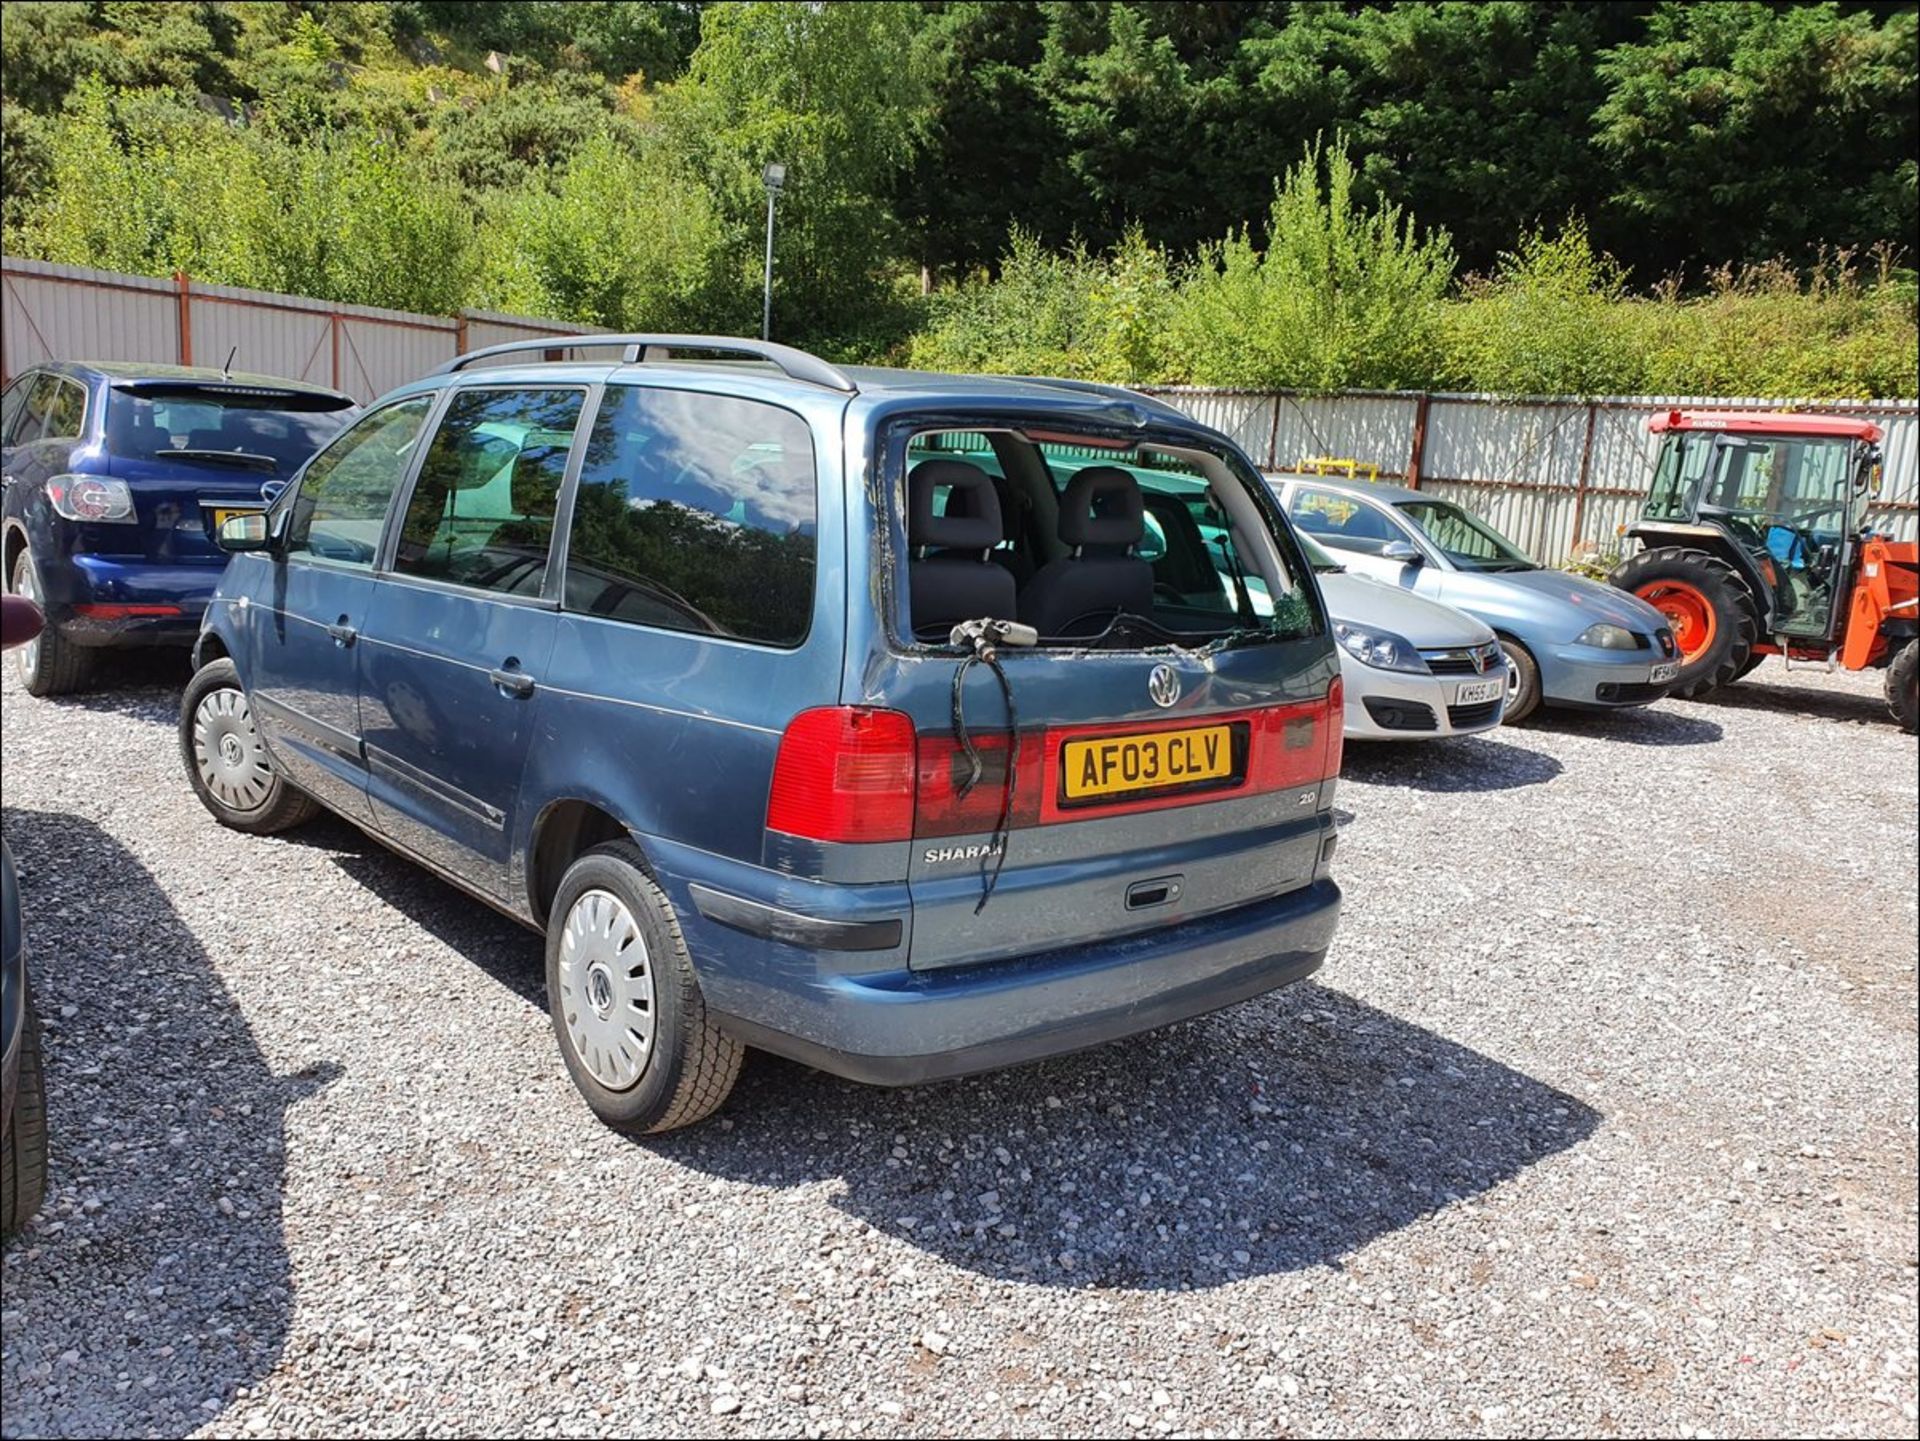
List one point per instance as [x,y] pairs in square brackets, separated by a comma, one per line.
[193,453]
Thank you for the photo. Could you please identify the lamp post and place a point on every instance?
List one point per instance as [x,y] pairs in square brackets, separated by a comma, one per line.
[773,177]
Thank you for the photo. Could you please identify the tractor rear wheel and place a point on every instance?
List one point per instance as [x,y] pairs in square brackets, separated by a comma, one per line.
[1710,609]
[1903,687]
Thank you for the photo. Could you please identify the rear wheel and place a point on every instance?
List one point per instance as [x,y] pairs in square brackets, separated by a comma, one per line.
[227,762]
[23,1153]
[1903,687]
[627,1011]
[1708,606]
[1523,681]
[49,664]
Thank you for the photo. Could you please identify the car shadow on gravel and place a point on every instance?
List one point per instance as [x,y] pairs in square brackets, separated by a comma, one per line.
[1459,763]
[1283,1134]
[155,1282]
[1280,1134]
[1653,725]
[143,684]
[1803,701]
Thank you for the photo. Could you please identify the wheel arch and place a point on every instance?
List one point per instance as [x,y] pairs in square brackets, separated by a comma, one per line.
[1712,541]
[564,830]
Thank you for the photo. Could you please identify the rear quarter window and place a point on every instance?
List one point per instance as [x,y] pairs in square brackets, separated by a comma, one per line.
[696,513]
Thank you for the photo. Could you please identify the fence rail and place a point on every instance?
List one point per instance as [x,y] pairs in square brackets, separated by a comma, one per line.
[1557,474]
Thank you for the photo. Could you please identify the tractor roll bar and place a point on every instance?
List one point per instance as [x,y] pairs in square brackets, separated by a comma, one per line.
[635,349]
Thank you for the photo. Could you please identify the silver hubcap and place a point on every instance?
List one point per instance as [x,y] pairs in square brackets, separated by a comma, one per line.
[227,751]
[24,584]
[606,989]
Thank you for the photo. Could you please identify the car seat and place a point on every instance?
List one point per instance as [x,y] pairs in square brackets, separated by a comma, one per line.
[951,576]
[1102,518]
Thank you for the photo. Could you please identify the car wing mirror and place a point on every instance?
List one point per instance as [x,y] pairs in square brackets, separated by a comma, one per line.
[1402,552]
[245,532]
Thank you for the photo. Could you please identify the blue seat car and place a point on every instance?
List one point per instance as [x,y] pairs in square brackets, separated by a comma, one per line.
[789,726]
[116,477]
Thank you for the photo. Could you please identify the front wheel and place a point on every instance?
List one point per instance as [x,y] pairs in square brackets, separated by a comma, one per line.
[627,1011]
[1708,607]
[1523,681]
[227,762]
[1903,687]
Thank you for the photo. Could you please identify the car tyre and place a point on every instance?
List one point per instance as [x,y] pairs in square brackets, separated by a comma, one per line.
[23,1150]
[49,664]
[1708,606]
[227,761]
[1523,681]
[1903,687]
[627,1011]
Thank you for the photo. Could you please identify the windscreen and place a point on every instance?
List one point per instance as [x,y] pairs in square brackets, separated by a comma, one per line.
[271,432]
[1464,538]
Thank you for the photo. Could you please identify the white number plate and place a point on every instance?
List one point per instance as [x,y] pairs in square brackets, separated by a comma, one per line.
[1663,673]
[1479,692]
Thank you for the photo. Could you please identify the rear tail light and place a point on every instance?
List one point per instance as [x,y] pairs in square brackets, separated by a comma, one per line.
[861,774]
[1336,728]
[844,773]
[90,498]
[941,808]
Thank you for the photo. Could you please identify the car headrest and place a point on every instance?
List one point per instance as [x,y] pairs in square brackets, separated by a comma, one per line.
[972,518]
[1102,506]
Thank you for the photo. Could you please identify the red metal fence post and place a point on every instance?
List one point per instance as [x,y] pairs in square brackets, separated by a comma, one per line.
[183,288]
[460,333]
[334,319]
[1420,409]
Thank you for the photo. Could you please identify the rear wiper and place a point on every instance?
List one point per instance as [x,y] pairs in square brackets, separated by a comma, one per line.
[228,457]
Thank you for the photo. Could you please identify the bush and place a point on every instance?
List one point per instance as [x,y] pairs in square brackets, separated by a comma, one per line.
[1343,297]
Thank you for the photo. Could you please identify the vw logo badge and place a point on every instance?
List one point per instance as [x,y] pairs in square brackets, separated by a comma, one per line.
[1164,686]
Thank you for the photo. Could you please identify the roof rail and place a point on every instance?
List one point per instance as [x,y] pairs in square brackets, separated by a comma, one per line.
[797,364]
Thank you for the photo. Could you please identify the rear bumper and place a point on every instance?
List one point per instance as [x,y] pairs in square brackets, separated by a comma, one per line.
[1586,677]
[142,602]
[867,1016]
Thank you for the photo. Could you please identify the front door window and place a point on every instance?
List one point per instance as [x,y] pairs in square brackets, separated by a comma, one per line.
[342,505]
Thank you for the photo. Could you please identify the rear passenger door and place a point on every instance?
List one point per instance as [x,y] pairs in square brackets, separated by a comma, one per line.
[463,619]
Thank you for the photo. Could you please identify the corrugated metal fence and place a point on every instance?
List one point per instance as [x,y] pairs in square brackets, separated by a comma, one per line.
[1557,474]
[65,312]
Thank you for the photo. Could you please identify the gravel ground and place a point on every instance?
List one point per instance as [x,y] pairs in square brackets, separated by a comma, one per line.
[1601,1119]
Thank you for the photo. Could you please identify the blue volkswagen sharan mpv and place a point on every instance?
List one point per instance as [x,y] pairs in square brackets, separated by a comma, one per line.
[819,710]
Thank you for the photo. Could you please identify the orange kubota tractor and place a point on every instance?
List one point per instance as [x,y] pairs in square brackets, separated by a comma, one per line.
[1755,543]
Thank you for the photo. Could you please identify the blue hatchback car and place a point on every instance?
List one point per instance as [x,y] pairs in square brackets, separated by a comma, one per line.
[788,725]
[116,477]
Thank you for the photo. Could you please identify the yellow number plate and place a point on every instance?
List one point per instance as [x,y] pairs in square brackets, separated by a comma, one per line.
[222,516]
[1116,765]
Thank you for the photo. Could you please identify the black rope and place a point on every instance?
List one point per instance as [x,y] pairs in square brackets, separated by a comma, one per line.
[997,847]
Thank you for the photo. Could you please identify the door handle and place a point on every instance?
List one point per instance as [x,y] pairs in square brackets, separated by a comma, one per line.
[511,680]
[343,634]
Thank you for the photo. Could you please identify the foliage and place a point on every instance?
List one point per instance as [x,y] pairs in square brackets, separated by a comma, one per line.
[1344,295]
[1644,195]
[618,240]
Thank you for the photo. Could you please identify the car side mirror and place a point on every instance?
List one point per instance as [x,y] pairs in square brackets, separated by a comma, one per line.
[245,532]
[1402,552]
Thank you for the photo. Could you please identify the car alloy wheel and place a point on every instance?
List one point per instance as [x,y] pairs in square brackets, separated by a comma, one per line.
[26,584]
[606,989]
[228,753]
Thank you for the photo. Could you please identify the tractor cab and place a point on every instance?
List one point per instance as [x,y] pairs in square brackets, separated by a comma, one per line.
[1788,503]
[1755,542]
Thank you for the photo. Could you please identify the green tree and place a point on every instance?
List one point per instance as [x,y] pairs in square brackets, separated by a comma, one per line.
[834,94]
[1344,295]
[1746,131]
